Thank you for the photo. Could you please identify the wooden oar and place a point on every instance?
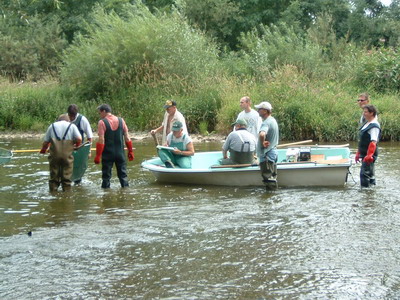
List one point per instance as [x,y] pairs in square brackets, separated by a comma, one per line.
[331,146]
[155,139]
[295,143]
[231,166]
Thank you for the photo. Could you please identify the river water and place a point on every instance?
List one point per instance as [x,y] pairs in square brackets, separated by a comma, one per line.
[196,242]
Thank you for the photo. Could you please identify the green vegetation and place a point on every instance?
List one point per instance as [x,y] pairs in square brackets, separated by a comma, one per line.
[205,55]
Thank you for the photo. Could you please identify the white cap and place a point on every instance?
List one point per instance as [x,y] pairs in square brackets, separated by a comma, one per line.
[266,105]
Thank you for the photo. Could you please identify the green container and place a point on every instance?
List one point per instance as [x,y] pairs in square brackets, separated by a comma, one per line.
[81,157]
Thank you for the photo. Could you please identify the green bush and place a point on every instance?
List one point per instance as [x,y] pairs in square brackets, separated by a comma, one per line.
[380,70]
[279,45]
[30,51]
[139,48]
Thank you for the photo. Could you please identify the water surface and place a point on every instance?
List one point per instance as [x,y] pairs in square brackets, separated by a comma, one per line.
[198,242]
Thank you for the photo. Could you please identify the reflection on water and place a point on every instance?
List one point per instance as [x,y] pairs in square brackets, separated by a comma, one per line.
[199,242]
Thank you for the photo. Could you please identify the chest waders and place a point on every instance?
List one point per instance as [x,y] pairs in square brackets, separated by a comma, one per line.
[61,161]
[77,122]
[113,153]
[184,162]
[367,171]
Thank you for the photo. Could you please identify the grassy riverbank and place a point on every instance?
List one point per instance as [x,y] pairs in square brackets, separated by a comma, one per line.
[305,109]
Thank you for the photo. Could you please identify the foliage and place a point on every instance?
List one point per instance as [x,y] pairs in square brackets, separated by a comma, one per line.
[140,48]
[30,106]
[215,17]
[380,70]
[279,45]
[30,50]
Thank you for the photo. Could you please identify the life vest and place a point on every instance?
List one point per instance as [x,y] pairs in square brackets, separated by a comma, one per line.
[365,139]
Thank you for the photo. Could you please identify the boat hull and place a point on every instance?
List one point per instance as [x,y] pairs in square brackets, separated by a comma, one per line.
[289,174]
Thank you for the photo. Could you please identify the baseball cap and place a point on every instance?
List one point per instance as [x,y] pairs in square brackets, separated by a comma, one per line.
[169,103]
[240,122]
[265,105]
[177,126]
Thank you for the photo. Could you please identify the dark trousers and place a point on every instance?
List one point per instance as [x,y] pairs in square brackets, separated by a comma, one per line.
[367,174]
[107,172]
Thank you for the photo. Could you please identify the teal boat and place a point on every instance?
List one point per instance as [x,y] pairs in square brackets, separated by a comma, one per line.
[81,157]
[305,166]
[5,156]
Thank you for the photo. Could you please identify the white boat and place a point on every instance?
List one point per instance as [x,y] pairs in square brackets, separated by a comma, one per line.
[321,166]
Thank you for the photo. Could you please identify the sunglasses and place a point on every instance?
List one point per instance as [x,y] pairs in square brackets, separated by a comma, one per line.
[361,100]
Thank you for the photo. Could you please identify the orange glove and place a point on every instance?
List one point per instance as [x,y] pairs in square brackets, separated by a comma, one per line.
[99,152]
[371,150]
[131,156]
[357,159]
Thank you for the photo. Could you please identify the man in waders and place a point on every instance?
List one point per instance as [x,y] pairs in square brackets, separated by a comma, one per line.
[241,145]
[110,147]
[83,126]
[266,145]
[367,146]
[183,151]
[62,136]
[81,122]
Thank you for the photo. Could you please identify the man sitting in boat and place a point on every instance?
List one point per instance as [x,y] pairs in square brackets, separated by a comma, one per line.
[241,145]
[182,148]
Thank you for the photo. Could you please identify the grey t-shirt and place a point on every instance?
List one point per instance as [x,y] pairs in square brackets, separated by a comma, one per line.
[270,127]
[238,139]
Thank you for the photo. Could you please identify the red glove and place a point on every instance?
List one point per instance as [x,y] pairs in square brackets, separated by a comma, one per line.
[99,152]
[43,150]
[371,150]
[45,146]
[357,157]
[77,144]
[131,156]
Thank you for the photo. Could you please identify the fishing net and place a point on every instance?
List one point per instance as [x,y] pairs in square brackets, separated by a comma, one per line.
[81,157]
[5,156]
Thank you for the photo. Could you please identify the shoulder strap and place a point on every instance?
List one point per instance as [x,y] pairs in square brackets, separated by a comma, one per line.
[66,131]
[55,132]
[77,121]
[243,142]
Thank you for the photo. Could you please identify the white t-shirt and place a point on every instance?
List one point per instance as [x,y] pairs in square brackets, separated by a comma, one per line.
[177,117]
[253,120]
[60,127]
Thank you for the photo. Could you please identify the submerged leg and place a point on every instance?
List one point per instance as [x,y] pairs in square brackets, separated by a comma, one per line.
[269,174]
